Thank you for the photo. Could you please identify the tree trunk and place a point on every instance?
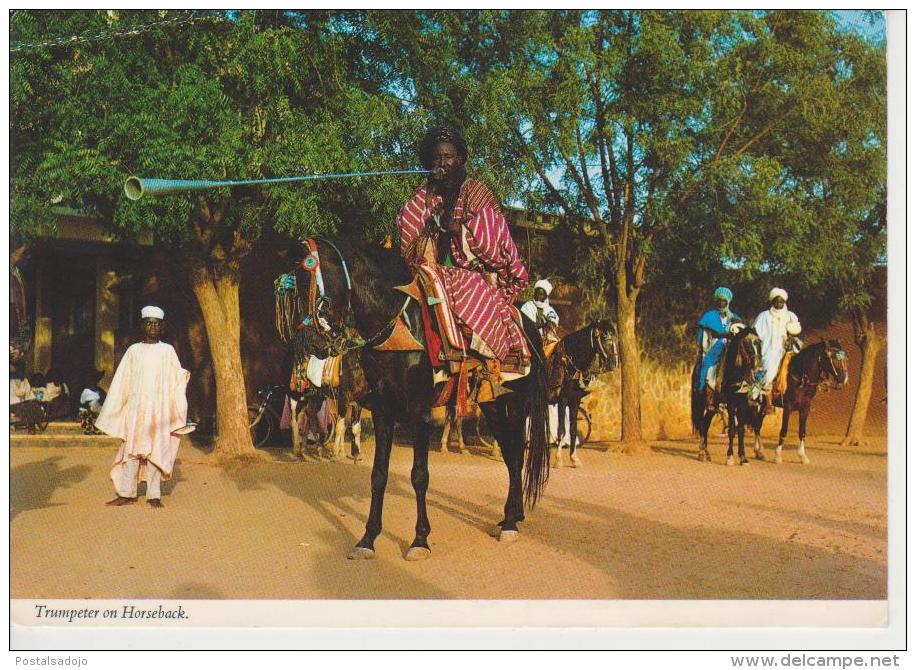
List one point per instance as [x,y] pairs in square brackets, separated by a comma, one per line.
[218,297]
[630,410]
[870,345]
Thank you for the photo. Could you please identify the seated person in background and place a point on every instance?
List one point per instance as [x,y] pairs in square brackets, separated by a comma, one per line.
[91,400]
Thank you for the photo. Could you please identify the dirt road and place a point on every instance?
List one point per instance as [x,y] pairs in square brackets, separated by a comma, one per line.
[657,526]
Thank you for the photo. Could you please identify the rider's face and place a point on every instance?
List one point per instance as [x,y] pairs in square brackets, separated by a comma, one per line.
[779,302]
[722,304]
[445,160]
[540,294]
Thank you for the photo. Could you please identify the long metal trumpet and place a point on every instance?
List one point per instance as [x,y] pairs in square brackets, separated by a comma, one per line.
[136,187]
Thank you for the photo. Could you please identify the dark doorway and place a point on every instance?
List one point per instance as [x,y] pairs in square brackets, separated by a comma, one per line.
[68,284]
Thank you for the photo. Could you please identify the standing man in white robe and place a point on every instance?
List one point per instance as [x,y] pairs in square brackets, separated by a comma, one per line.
[776,327]
[146,407]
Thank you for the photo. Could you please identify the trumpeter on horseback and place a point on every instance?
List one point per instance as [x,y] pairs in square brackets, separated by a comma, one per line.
[454,235]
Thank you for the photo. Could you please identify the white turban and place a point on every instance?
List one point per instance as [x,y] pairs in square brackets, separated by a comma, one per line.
[778,293]
[544,284]
[151,312]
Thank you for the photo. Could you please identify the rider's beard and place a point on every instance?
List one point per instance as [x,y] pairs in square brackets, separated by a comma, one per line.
[448,188]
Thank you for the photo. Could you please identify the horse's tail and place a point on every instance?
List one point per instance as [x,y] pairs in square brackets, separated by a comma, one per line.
[697,402]
[537,465]
[697,410]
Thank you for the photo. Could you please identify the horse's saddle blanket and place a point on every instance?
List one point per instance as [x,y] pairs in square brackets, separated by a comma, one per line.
[316,372]
[426,322]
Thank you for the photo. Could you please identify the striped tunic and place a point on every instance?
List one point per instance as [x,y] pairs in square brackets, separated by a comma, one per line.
[484,246]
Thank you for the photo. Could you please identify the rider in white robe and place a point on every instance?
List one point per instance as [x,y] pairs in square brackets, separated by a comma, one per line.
[775,327]
[145,406]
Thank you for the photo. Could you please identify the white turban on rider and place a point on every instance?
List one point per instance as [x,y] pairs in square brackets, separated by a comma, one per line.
[544,284]
[151,312]
[778,293]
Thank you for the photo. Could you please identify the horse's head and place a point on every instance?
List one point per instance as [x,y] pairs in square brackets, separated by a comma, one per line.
[324,286]
[832,364]
[604,341]
[748,351]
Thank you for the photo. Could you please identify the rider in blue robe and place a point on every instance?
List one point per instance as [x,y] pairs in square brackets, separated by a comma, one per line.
[712,334]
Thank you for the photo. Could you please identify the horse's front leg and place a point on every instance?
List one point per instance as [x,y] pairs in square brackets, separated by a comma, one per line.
[419,477]
[802,428]
[784,430]
[742,423]
[294,425]
[384,432]
[460,430]
[446,430]
[356,428]
[574,459]
[732,429]
[340,434]
[758,443]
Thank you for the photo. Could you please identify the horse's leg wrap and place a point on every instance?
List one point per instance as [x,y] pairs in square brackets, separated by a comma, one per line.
[357,429]
[340,433]
[294,427]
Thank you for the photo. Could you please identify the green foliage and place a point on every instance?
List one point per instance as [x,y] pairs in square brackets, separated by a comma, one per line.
[244,95]
[688,144]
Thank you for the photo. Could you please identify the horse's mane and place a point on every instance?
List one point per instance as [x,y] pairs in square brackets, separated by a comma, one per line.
[579,341]
[807,356]
[733,347]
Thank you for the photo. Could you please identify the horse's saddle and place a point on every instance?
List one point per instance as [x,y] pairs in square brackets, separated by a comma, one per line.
[426,323]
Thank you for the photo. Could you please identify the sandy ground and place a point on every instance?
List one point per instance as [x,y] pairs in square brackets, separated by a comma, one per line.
[659,526]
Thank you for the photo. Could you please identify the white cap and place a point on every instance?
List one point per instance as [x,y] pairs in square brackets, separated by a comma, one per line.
[151,312]
[544,284]
[778,292]
[793,328]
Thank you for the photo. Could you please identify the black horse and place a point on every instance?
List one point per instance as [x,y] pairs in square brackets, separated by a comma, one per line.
[577,357]
[815,366]
[741,361]
[359,306]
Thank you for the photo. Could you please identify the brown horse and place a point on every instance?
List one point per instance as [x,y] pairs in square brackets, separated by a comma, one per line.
[816,366]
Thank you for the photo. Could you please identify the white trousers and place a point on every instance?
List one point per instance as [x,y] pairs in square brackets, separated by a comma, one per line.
[127,487]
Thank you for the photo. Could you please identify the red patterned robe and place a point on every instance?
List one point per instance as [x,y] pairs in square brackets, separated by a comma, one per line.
[483,246]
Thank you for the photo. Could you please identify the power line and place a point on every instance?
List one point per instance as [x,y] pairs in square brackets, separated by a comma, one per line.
[108,35]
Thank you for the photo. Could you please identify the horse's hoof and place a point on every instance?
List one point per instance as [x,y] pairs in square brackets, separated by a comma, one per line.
[418,554]
[730,460]
[759,456]
[361,554]
[805,460]
[744,461]
[779,459]
[575,461]
[495,531]
[508,536]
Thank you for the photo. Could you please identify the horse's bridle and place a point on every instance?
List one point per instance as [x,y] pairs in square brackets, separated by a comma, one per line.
[834,356]
[598,345]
